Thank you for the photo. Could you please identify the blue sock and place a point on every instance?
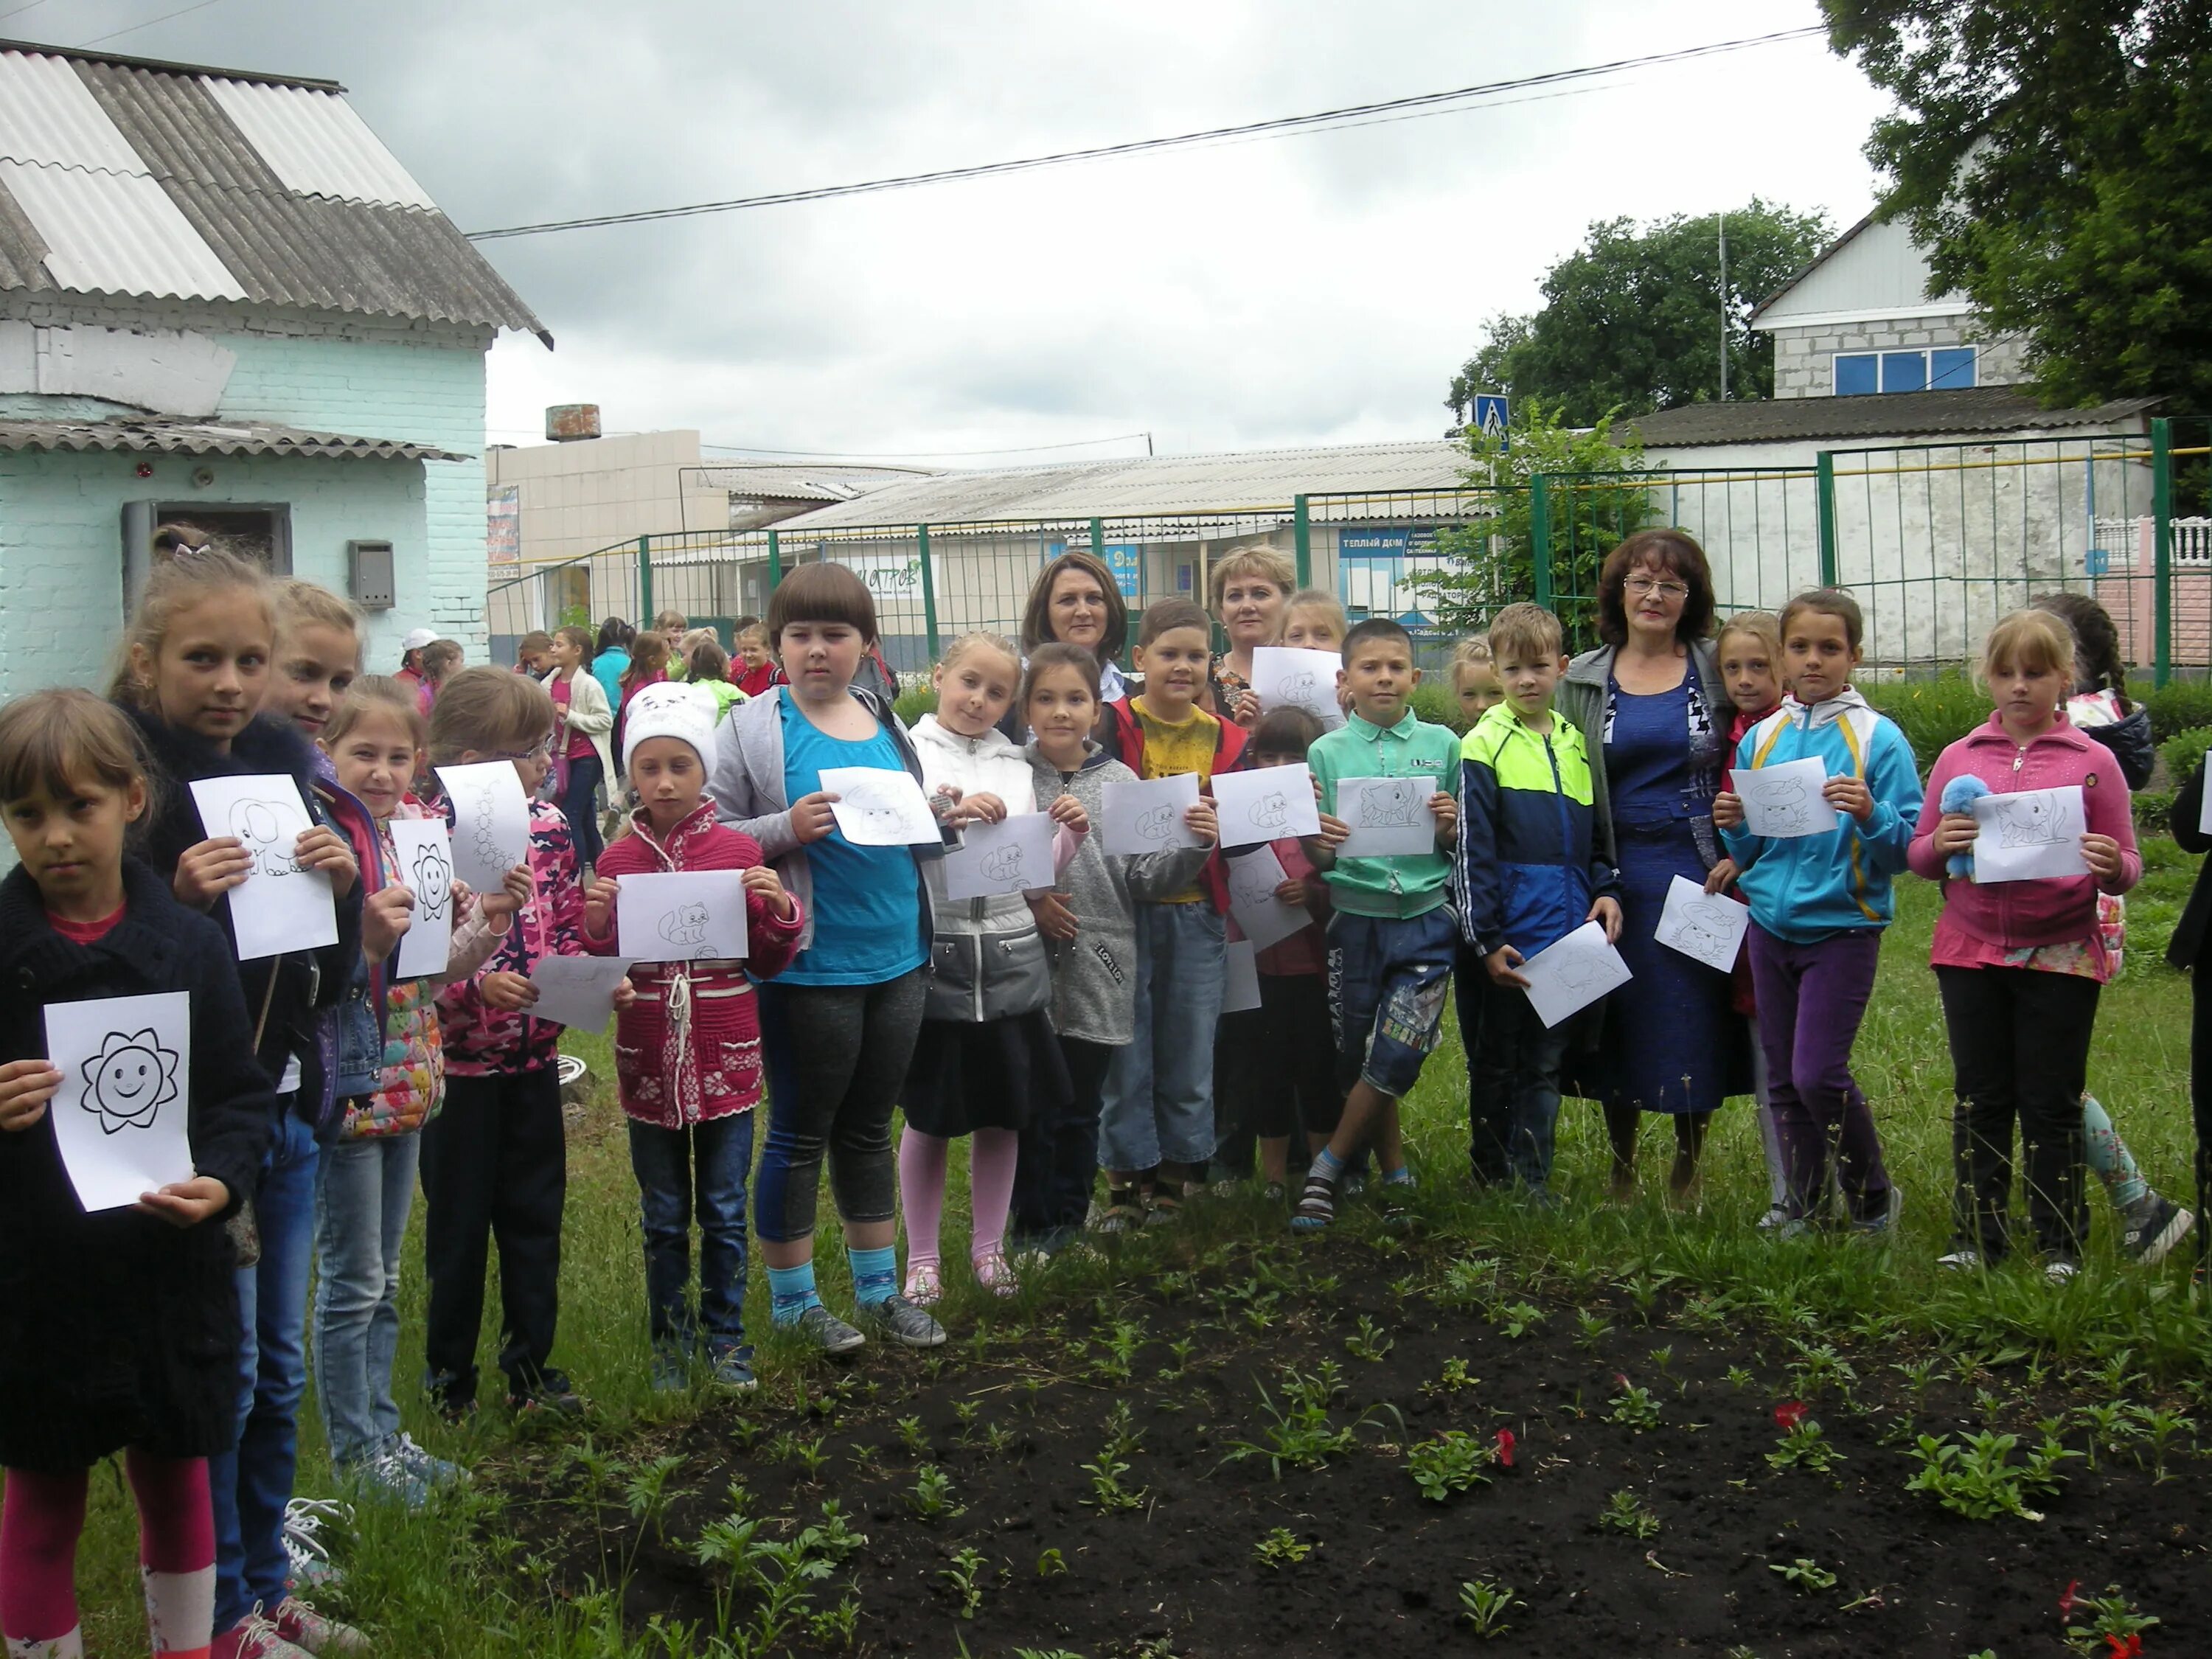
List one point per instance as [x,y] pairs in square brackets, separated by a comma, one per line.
[875,1274]
[791,1292]
[1326,1164]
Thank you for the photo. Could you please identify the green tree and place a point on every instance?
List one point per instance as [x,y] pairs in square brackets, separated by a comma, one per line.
[1631,319]
[2055,159]
[1597,489]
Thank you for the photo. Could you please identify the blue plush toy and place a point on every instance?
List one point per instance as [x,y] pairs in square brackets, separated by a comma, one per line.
[1960,796]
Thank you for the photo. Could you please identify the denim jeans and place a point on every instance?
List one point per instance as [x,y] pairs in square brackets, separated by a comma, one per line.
[250,1484]
[1513,1109]
[708,1164]
[367,1189]
[1387,979]
[1159,1092]
[579,805]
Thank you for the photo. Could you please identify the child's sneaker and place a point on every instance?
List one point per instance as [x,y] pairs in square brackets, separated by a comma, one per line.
[1775,1216]
[2153,1227]
[1316,1205]
[904,1323]
[996,1275]
[550,1391]
[253,1636]
[732,1368]
[1396,1199]
[1122,1213]
[309,1632]
[1965,1259]
[829,1332]
[2062,1270]
[310,1566]
[1877,1229]
[1163,1208]
[433,1471]
[924,1288]
[672,1370]
[382,1474]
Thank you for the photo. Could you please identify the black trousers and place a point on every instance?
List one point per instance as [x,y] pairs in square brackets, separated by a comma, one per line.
[2200,1095]
[1237,1104]
[1297,1059]
[2020,1052]
[495,1166]
[1058,1150]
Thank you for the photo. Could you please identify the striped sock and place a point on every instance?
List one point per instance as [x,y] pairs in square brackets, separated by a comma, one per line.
[791,1292]
[875,1274]
[1326,1164]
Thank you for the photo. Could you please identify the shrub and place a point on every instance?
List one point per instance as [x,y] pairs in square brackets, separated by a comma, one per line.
[1434,701]
[913,705]
[1932,713]
[2184,752]
[2183,706]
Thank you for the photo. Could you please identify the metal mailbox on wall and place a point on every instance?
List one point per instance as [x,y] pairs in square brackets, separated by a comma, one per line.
[369,568]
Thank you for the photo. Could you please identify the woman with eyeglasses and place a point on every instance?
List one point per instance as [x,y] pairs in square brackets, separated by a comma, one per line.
[1651,704]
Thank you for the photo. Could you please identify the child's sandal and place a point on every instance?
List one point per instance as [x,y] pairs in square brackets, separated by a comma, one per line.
[1316,1205]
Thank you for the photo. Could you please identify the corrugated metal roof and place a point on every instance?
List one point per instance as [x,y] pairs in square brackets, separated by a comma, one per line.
[116,233]
[48,115]
[800,482]
[317,144]
[1147,483]
[1967,412]
[210,216]
[155,435]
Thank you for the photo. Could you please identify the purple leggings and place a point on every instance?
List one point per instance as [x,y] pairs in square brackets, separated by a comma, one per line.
[1811,1000]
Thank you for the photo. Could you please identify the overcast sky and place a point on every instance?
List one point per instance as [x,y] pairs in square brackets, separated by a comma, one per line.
[1317,288]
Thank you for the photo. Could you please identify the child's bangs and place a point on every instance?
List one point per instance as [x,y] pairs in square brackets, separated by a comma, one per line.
[58,742]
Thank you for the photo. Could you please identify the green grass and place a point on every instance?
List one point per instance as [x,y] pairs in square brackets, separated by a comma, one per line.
[456,1582]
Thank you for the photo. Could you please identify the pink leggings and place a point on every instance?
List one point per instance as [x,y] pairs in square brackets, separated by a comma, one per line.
[41,1519]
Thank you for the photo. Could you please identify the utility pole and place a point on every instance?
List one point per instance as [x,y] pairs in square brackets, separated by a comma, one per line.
[1724,320]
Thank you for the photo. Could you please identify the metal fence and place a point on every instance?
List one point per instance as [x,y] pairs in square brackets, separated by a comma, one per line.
[1936,540]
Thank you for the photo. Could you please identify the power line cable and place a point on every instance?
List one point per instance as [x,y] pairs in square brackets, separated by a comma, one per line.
[1348,115]
[117,34]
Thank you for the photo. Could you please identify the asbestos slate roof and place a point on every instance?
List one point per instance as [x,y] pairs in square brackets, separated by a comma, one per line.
[153,434]
[1876,416]
[128,177]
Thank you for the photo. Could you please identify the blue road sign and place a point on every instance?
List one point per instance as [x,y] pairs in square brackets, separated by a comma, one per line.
[1492,414]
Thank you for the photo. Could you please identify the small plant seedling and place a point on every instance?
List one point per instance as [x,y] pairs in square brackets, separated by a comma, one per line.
[1519,1319]
[1302,1434]
[1593,1328]
[809,1454]
[1453,1461]
[1738,1377]
[1802,1445]
[1453,1378]
[966,1412]
[1180,1352]
[998,1439]
[1122,1436]
[913,1436]
[1051,1565]
[1979,1480]
[1820,1366]
[1625,1512]
[1804,1574]
[1107,1495]
[965,1574]
[840,1623]
[931,1498]
[1280,1548]
[1633,1406]
[2162,1424]
[1664,1359]
[2113,1626]
[1369,1342]
[1484,1605]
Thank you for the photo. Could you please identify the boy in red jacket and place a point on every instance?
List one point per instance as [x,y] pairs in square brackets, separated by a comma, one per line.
[687,1051]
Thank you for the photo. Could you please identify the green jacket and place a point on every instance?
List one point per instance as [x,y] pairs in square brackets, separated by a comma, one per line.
[1408,884]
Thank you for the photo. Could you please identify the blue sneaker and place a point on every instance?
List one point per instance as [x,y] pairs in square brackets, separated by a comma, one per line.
[732,1368]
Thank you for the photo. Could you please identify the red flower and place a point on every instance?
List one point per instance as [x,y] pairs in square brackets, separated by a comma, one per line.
[1505,1439]
[2066,1602]
[1620,1381]
[1789,1414]
[2127,1649]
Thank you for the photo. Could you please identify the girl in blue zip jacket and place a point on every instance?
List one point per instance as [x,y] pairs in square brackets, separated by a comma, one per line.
[1818,904]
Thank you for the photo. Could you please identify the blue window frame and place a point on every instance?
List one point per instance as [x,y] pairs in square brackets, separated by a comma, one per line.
[1855,374]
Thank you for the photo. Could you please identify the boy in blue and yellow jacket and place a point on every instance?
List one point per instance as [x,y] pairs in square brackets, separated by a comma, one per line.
[1526,875]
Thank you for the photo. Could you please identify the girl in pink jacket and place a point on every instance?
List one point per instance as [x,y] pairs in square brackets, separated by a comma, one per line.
[2021,962]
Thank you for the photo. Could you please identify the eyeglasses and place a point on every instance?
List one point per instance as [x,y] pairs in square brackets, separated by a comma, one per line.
[537,751]
[1642,587]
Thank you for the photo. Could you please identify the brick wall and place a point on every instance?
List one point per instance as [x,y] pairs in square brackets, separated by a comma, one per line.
[1803,357]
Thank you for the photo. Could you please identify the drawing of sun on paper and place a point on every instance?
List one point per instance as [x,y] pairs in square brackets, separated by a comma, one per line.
[268,830]
[129,1081]
[434,881]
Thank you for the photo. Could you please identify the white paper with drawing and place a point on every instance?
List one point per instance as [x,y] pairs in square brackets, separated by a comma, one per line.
[1265,919]
[1386,815]
[1780,802]
[1569,973]
[878,807]
[686,916]
[1147,818]
[491,821]
[2031,834]
[1011,856]
[578,991]
[1240,988]
[2204,810]
[280,907]
[1708,926]
[1290,675]
[119,1115]
[425,851]
[1266,804]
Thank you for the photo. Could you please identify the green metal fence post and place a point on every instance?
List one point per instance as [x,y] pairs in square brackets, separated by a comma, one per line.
[1539,537]
[1302,530]
[645,581]
[1824,496]
[928,591]
[2162,532]
[774,563]
[1098,540]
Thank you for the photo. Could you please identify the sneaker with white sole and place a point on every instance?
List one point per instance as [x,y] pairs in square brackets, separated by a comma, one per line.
[904,1323]
[311,1632]
[255,1637]
[305,1547]
[1961,1260]
[829,1332]
[435,1471]
[2152,1227]
[1876,1229]
[386,1475]
[2062,1269]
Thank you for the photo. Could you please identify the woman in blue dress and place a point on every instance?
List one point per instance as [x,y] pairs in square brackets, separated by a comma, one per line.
[1655,715]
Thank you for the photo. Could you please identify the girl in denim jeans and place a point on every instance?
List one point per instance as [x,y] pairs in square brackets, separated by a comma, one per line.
[687,1052]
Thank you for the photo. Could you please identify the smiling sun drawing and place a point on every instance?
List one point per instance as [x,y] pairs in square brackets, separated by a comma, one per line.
[129,1080]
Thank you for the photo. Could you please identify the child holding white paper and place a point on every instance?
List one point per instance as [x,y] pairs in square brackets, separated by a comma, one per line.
[118,1329]
[1526,873]
[197,667]
[837,1026]
[376,741]
[1819,906]
[494,1162]
[2022,963]
[1157,1123]
[687,1050]
[987,1062]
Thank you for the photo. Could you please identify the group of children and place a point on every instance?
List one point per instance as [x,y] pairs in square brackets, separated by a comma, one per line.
[1071,1029]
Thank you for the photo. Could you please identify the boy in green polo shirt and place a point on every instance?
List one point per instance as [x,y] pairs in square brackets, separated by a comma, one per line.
[1390,945]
